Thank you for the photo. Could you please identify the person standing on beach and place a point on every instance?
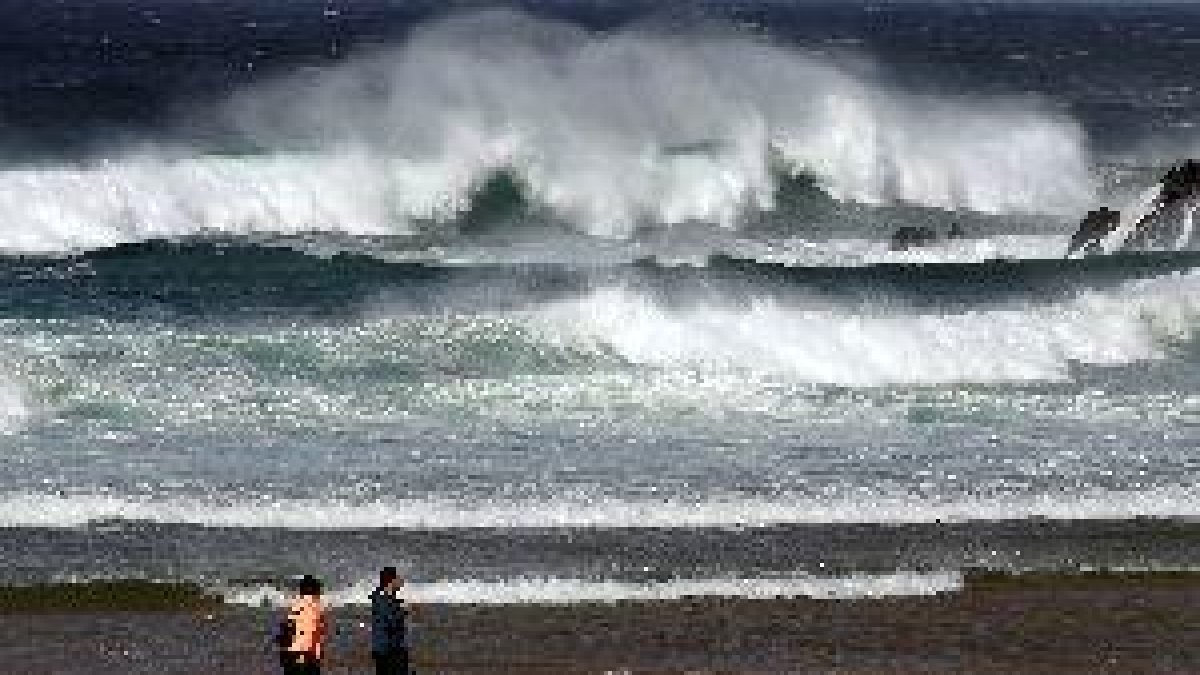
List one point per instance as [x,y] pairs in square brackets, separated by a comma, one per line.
[389,617]
[303,655]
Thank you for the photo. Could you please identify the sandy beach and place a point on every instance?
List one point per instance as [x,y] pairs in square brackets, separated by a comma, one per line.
[1042,623]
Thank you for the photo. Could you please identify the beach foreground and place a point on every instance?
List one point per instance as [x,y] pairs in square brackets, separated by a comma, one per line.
[1036,623]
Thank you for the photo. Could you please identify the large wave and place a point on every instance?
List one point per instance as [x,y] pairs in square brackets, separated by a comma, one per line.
[814,338]
[607,133]
[646,340]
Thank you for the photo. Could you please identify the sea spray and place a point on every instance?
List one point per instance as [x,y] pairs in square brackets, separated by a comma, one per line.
[608,133]
[639,126]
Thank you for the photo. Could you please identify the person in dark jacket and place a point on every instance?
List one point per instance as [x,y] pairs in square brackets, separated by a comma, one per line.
[389,618]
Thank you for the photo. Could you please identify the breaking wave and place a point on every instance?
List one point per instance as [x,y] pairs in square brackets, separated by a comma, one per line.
[556,591]
[603,133]
[42,510]
[814,338]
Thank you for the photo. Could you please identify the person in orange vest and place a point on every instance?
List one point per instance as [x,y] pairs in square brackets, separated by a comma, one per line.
[302,655]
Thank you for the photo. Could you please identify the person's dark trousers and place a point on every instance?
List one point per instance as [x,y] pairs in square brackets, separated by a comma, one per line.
[391,663]
[292,666]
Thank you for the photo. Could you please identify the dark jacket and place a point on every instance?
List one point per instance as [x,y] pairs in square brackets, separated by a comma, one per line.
[388,622]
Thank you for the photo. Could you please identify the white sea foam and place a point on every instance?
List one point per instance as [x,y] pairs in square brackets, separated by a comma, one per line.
[609,132]
[15,407]
[851,252]
[878,343]
[40,510]
[558,591]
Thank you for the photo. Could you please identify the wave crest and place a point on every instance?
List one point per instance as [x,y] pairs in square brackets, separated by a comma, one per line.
[606,133]
[613,131]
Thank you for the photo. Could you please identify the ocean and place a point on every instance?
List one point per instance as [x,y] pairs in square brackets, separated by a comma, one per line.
[567,301]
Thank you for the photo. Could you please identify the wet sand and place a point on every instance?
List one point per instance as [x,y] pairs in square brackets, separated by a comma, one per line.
[1037,624]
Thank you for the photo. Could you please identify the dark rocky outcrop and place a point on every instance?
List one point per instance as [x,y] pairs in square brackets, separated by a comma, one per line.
[913,236]
[1161,226]
[1095,227]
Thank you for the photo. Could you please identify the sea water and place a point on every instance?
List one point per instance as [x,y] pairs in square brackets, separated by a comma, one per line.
[569,301]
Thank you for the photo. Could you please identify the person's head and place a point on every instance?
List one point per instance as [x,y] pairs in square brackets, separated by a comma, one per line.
[309,585]
[388,578]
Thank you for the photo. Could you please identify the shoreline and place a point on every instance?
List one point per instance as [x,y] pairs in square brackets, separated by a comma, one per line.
[137,595]
[166,551]
[1088,622]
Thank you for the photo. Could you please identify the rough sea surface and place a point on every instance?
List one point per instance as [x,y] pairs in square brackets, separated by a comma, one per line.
[572,300]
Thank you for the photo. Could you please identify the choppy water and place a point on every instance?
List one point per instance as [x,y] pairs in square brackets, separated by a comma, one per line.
[498,275]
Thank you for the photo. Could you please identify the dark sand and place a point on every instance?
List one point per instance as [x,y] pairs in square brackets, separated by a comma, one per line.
[1043,623]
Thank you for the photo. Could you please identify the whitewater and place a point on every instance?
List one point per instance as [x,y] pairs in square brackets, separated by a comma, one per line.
[603,134]
[508,285]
